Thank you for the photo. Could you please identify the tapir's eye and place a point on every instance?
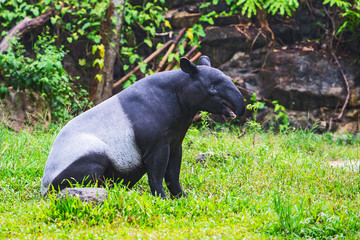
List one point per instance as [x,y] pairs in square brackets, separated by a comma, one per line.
[212,89]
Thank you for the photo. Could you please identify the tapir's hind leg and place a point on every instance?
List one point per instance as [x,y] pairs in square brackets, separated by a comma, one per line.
[87,169]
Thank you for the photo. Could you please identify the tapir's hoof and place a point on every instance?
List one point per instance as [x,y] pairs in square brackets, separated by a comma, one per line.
[95,195]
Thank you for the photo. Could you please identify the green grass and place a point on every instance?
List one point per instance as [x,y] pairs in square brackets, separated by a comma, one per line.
[256,186]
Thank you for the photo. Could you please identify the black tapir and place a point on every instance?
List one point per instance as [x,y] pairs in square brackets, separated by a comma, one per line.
[140,130]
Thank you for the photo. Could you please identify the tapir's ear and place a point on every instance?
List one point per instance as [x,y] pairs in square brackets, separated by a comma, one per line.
[204,60]
[188,66]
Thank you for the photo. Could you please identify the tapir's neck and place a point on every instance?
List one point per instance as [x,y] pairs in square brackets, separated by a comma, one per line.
[173,85]
[184,100]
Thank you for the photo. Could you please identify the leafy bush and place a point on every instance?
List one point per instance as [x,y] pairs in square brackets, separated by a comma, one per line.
[43,74]
[13,11]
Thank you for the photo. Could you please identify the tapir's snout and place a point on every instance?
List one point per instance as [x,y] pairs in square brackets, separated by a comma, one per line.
[241,107]
[235,102]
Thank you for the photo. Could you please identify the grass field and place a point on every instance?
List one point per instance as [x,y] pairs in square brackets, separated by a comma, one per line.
[257,185]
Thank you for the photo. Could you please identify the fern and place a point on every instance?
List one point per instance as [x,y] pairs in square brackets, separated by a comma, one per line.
[281,6]
[340,3]
[248,7]
[352,19]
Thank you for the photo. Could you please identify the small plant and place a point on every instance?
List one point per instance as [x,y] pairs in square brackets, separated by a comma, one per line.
[282,116]
[290,216]
[255,107]
[204,120]
[350,15]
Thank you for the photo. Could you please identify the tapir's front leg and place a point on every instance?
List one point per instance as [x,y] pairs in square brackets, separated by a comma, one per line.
[173,172]
[156,162]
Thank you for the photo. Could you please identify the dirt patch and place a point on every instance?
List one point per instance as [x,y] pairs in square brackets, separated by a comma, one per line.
[352,165]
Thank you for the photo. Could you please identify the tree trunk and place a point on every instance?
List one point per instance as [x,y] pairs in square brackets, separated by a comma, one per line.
[111,41]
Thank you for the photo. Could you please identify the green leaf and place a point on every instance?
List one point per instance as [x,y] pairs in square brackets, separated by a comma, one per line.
[114,20]
[53,20]
[341,4]
[35,11]
[211,21]
[133,58]
[253,97]
[277,107]
[101,63]
[94,49]
[127,84]
[205,5]
[97,39]
[85,26]
[81,32]
[148,42]
[64,10]
[132,78]
[181,50]
[82,62]
[143,66]
[98,77]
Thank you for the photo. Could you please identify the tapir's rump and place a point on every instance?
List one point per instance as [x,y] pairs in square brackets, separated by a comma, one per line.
[104,130]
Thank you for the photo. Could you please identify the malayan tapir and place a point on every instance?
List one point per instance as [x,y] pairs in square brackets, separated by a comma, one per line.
[140,130]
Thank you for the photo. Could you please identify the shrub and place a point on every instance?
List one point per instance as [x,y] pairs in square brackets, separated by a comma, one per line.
[43,73]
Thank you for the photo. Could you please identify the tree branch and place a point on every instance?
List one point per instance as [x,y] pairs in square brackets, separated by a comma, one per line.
[137,68]
[171,49]
[23,26]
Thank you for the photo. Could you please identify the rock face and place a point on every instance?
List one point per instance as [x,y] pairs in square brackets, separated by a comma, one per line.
[96,195]
[305,82]
[20,107]
[221,43]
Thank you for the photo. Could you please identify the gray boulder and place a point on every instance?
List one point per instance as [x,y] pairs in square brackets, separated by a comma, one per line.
[95,195]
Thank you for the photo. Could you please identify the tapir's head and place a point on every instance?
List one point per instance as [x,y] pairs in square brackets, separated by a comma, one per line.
[211,90]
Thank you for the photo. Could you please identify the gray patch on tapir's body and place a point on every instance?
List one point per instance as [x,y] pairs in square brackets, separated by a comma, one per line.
[104,129]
